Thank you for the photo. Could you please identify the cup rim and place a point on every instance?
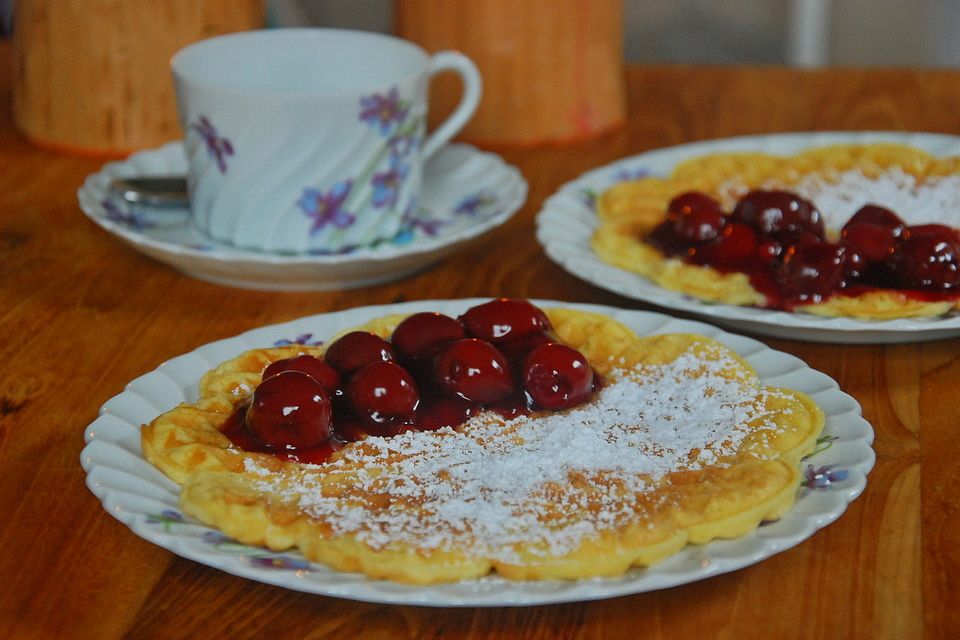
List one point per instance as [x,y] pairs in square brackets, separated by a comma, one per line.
[177,60]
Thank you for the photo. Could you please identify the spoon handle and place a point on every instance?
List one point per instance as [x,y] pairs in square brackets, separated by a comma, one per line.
[157,191]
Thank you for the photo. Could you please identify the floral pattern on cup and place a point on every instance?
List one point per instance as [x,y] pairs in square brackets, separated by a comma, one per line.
[327,207]
[385,174]
[218,146]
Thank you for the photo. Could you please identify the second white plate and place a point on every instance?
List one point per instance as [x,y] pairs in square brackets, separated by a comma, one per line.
[568,219]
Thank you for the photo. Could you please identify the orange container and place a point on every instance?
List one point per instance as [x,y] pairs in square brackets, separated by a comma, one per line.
[93,76]
[552,69]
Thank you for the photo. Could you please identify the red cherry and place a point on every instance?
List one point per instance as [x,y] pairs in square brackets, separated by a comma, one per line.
[356,349]
[473,369]
[874,242]
[290,410]
[736,245]
[880,216]
[422,334]
[517,349]
[927,259]
[556,377]
[768,251]
[810,271]
[687,203]
[936,230]
[695,218]
[383,391]
[504,319]
[312,366]
[770,212]
[699,227]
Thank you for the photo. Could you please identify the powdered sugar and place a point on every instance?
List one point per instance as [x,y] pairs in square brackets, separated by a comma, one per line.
[545,482]
[839,195]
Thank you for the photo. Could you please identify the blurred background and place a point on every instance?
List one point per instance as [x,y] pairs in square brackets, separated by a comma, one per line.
[794,32]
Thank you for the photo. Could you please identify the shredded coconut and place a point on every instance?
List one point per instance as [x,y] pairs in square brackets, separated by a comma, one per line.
[494,483]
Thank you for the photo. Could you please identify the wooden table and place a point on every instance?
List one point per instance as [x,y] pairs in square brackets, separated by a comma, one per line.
[81,314]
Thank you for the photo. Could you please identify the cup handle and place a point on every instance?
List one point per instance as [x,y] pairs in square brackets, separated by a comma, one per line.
[472,86]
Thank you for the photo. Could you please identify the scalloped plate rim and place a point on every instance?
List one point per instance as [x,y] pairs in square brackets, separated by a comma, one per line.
[495,591]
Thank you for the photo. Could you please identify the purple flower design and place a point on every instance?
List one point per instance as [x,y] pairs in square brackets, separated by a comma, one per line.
[327,208]
[471,205]
[386,184]
[280,562]
[625,175]
[303,338]
[589,197]
[383,111]
[215,538]
[413,220]
[128,219]
[821,478]
[402,144]
[167,518]
[217,146]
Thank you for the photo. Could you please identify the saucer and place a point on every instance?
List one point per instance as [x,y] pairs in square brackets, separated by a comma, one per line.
[465,193]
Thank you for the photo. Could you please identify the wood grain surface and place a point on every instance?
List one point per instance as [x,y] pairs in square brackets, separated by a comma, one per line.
[81,314]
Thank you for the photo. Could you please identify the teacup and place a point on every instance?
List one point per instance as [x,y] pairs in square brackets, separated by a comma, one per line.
[310,140]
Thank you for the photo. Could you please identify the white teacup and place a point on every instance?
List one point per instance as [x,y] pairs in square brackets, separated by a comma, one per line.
[310,140]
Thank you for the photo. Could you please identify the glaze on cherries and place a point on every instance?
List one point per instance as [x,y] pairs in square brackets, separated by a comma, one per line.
[290,410]
[314,367]
[504,319]
[475,370]
[353,350]
[435,371]
[557,377]
[777,239]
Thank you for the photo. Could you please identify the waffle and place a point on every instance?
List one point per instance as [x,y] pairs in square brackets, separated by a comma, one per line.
[837,178]
[681,445]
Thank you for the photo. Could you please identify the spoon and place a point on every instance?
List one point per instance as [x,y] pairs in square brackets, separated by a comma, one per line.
[157,191]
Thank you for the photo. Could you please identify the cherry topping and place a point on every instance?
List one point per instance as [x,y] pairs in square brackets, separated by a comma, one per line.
[422,334]
[557,377]
[475,370]
[812,271]
[689,202]
[736,245]
[310,365]
[873,232]
[356,349]
[695,218]
[518,348]
[504,319]
[383,391]
[771,212]
[290,410]
[928,259]
[880,216]
[936,230]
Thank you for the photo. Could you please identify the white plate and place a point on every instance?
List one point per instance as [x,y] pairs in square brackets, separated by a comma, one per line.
[465,193]
[140,496]
[568,220]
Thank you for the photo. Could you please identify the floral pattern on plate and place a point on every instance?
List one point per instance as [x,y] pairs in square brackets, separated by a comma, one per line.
[137,494]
